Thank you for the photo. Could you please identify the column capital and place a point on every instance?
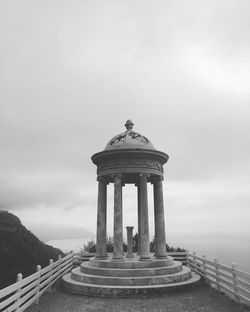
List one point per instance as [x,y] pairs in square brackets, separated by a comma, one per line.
[117,175]
[142,174]
[129,227]
[103,179]
[156,178]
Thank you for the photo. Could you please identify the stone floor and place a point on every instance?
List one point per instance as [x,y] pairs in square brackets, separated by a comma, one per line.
[201,299]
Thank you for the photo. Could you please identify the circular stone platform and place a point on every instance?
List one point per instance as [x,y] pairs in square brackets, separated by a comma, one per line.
[128,277]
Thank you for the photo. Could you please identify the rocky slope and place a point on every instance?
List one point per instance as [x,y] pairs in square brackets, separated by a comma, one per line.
[20,250]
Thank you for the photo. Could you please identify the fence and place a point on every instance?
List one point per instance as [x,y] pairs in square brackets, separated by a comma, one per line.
[179,256]
[229,280]
[20,295]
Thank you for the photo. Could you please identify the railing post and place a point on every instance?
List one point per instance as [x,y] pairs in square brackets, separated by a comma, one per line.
[72,255]
[216,262]
[73,259]
[235,282]
[38,269]
[50,275]
[60,264]
[186,258]
[195,262]
[19,279]
[204,265]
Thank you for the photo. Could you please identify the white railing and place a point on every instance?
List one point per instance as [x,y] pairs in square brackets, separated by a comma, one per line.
[181,256]
[177,255]
[20,295]
[227,279]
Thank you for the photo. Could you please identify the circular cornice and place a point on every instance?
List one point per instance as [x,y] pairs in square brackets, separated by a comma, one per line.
[129,153]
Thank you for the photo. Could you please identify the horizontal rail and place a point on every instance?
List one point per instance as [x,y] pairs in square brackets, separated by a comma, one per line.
[8,300]
[8,290]
[20,295]
[177,253]
[228,279]
[247,300]
[30,278]
[222,266]
[243,274]
[29,303]
[28,287]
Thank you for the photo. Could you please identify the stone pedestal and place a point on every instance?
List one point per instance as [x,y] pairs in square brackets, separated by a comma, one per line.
[129,242]
[131,277]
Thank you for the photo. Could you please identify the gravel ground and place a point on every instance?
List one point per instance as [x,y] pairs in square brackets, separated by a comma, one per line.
[201,299]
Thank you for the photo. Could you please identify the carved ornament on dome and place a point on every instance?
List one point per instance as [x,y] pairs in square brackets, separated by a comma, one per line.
[121,163]
[134,135]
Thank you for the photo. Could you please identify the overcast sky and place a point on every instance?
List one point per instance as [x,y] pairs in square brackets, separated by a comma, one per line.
[71,74]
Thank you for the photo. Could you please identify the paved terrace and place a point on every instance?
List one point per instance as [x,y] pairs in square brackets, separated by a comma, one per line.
[201,299]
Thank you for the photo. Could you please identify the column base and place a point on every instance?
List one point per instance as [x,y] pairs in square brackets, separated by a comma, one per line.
[101,258]
[118,258]
[160,256]
[145,258]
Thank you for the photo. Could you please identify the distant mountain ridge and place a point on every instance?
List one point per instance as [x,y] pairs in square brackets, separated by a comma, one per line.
[20,250]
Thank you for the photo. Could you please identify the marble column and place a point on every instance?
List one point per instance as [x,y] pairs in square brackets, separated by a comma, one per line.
[101,230]
[160,238]
[138,208]
[129,241]
[118,227]
[143,219]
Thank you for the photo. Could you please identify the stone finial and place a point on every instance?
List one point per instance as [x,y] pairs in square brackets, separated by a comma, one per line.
[129,124]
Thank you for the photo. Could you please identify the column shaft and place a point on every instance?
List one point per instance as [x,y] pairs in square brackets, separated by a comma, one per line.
[101,230]
[144,227]
[138,207]
[129,241]
[160,238]
[118,227]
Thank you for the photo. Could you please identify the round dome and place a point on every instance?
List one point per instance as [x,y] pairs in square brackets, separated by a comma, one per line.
[129,139]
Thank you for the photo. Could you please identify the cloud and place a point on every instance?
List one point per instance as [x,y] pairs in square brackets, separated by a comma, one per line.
[207,207]
[73,72]
[57,188]
[46,232]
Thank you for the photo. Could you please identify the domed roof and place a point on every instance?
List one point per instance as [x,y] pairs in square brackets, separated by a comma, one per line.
[129,139]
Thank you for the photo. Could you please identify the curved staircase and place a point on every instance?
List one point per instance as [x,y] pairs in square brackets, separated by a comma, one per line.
[128,277]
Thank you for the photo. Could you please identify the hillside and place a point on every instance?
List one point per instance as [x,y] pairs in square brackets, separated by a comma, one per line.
[20,250]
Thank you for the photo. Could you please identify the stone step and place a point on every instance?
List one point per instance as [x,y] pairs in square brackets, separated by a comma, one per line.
[80,288]
[173,268]
[127,263]
[77,275]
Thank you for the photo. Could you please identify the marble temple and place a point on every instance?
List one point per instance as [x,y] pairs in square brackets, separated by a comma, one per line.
[129,158]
